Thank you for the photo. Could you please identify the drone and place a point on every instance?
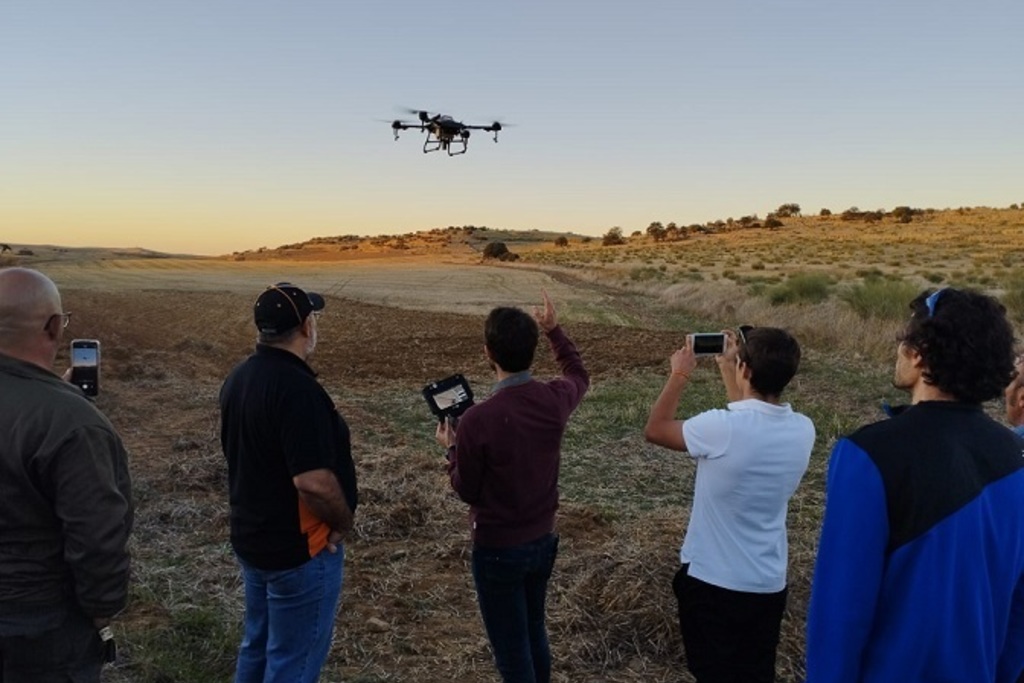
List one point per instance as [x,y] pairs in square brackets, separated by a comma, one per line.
[443,132]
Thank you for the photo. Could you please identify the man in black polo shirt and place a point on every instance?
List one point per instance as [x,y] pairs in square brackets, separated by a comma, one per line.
[292,490]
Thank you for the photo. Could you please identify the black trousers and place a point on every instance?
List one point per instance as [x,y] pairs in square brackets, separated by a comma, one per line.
[729,636]
[70,653]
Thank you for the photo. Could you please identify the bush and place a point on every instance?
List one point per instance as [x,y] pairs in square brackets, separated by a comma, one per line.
[561,241]
[613,237]
[883,298]
[801,288]
[498,250]
[495,250]
[642,274]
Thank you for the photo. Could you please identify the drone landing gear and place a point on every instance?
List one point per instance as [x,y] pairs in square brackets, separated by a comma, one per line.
[454,146]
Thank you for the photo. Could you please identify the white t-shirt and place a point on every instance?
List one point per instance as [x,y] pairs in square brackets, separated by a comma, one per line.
[750,459]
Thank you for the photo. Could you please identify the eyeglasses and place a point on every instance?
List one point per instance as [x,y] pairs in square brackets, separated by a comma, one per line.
[65,320]
[933,299]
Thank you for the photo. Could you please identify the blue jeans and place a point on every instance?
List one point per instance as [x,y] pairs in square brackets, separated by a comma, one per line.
[511,587]
[289,618]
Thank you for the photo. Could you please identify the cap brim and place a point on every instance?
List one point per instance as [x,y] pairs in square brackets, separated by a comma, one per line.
[316,300]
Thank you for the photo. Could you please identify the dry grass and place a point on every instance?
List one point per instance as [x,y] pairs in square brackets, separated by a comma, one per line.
[172,328]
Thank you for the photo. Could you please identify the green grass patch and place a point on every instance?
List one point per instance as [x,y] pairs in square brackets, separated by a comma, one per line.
[606,464]
[881,298]
[801,288]
[1013,297]
[194,643]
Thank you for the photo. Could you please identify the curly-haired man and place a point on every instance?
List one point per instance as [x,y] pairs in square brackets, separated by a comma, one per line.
[920,570]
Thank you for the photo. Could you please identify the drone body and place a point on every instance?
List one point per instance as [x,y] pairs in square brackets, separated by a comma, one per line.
[443,132]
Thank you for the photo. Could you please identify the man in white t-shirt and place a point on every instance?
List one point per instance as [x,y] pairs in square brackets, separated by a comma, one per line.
[750,458]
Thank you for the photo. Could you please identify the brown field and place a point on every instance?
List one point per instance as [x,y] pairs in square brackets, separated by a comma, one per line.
[171,328]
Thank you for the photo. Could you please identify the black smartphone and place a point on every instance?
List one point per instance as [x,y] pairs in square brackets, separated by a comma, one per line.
[85,365]
[708,343]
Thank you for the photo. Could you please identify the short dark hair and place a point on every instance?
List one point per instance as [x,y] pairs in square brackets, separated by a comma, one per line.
[511,337]
[965,341]
[773,356]
[275,339]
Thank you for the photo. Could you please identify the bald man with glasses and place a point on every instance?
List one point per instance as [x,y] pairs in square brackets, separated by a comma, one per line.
[65,500]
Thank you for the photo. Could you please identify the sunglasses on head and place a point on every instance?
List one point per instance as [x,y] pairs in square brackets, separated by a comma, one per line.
[932,300]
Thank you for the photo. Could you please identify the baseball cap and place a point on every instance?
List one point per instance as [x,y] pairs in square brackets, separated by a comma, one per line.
[284,306]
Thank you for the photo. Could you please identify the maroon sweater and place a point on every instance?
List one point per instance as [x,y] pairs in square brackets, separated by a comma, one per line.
[508,449]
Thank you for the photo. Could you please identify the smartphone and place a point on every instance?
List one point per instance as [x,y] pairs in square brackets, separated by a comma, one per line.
[708,343]
[85,365]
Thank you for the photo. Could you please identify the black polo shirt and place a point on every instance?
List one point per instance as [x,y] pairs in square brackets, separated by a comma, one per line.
[278,422]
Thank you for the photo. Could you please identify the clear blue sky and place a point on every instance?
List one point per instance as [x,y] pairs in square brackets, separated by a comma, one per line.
[207,127]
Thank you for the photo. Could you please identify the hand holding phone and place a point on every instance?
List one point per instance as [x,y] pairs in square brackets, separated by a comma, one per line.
[85,365]
[707,343]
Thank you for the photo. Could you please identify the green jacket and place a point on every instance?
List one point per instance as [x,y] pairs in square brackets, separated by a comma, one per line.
[65,499]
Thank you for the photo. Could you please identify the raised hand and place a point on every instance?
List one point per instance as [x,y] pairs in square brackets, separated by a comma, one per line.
[546,318]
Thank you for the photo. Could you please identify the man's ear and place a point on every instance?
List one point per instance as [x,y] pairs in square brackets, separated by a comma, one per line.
[911,354]
[745,371]
[53,328]
[1018,396]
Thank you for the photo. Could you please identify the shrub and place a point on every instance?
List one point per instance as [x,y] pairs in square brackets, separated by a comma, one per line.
[657,231]
[642,274]
[561,241]
[496,250]
[772,223]
[883,298]
[905,214]
[870,273]
[613,237]
[824,212]
[801,288]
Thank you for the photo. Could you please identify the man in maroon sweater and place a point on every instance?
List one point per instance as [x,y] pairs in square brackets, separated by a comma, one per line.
[503,460]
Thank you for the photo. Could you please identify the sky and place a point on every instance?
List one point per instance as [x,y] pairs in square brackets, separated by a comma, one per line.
[213,126]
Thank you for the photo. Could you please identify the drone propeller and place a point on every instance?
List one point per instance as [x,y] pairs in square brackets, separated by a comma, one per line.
[422,114]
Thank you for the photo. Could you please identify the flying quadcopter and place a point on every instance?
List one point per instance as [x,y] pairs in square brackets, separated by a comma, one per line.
[443,132]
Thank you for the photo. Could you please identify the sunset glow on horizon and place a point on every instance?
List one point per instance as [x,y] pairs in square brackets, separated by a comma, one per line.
[195,128]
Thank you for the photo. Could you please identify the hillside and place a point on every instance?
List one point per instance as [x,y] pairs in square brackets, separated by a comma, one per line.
[970,246]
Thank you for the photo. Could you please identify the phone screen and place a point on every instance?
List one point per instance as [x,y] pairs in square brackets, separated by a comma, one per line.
[84,356]
[450,397]
[708,344]
[85,365]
